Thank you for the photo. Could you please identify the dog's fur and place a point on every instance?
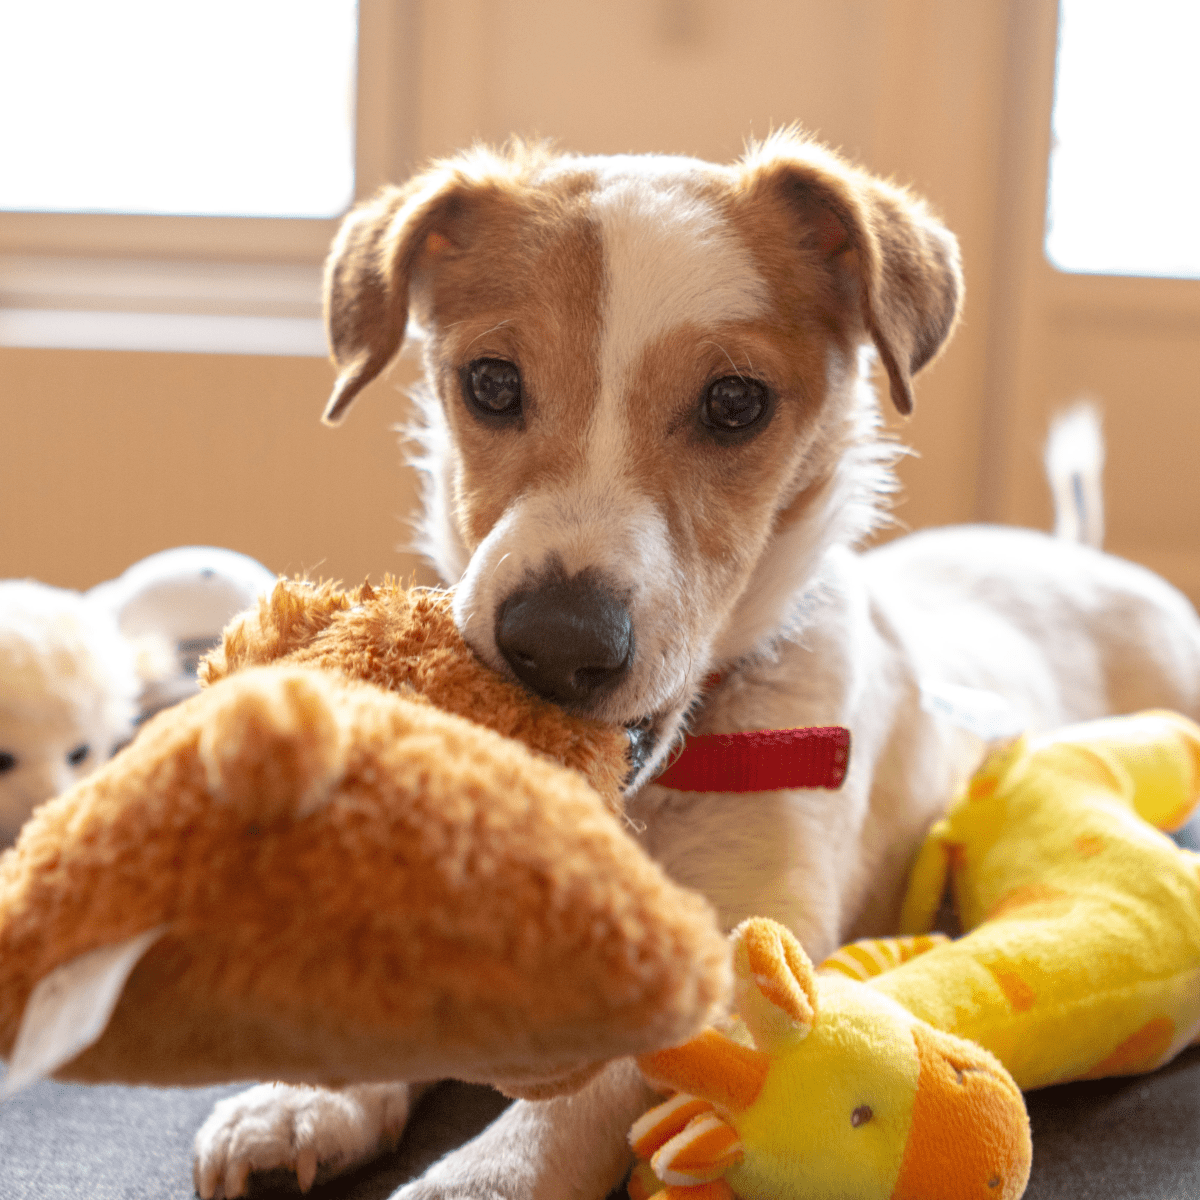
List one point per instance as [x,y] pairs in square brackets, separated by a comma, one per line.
[710,538]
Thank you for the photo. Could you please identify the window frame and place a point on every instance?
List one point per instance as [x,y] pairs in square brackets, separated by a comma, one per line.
[1031,298]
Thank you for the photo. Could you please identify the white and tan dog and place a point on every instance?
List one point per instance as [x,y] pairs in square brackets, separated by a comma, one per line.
[651,446]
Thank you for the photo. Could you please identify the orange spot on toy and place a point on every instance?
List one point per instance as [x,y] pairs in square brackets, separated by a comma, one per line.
[1143,1051]
[1020,995]
[982,786]
[1034,901]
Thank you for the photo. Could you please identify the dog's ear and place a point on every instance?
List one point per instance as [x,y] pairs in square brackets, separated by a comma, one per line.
[883,244]
[368,273]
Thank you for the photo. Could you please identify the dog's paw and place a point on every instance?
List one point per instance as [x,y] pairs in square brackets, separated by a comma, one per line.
[301,1129]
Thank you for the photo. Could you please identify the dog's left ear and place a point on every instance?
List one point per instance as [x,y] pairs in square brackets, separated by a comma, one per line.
[881,244]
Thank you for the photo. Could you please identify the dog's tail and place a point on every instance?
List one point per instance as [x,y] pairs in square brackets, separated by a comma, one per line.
[1074,465]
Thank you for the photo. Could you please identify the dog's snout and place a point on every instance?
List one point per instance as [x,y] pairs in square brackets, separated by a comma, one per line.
[567,640]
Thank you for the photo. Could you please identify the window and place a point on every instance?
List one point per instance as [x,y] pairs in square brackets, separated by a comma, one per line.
[178,170]
[238,108]
[1125,155]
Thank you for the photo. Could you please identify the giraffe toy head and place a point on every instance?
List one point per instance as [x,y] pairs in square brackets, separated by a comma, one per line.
[822,1087]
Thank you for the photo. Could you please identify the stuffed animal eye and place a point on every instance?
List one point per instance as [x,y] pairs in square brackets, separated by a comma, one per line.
[79,755]
[493,387]
[733,403]
[861,1115]
[7,761]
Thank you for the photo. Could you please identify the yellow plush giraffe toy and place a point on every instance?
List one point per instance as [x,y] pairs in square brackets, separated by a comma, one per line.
[823,1088]
[1080,958]
[1081,954]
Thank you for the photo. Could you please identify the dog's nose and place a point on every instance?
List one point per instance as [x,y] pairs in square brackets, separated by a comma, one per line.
[566,639]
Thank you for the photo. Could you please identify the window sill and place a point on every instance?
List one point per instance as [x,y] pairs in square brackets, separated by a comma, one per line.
[189,307]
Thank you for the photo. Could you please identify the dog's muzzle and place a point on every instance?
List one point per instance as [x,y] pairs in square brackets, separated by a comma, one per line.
[568,640]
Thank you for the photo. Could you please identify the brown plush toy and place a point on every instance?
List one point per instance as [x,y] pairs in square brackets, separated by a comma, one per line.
[357,854]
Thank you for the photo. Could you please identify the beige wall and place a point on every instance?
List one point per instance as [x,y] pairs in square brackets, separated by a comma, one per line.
[910,88]
[112,456]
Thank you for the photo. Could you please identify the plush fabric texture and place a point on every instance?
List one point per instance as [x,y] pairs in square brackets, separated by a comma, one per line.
[825,1088]
[1081,957]
[404,640]
[356,882]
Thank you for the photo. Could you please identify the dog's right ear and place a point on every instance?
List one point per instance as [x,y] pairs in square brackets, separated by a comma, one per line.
[368,272]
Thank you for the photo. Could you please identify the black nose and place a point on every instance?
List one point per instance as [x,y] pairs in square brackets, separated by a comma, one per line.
[566,639]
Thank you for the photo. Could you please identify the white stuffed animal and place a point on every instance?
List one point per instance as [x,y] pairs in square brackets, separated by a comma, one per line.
[69,687]
[181,600]
[79,671]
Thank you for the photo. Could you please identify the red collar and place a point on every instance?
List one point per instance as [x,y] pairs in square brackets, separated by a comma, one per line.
[763,760]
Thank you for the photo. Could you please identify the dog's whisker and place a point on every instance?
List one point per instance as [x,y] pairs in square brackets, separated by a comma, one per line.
[736,368]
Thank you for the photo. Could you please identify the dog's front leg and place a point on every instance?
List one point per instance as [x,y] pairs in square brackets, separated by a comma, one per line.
[570,1148]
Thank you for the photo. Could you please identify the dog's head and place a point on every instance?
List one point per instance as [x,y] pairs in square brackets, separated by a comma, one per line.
[646,415]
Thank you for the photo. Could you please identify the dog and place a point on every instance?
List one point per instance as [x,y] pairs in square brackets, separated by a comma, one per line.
[650,448]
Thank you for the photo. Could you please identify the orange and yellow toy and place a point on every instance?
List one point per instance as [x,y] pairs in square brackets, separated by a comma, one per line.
[823,1087]
[1080,958]
[1081,954]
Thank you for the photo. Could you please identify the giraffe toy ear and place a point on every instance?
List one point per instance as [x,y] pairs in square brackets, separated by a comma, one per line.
[775,987]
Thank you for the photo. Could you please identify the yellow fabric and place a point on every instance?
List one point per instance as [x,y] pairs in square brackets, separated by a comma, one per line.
[858,1054]
[1082,951]
[858,1097]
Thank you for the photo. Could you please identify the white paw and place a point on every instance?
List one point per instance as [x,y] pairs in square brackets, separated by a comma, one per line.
[302,1129]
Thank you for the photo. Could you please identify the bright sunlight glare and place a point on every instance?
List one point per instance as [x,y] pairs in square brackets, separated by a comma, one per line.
[1125,157]
[230,107]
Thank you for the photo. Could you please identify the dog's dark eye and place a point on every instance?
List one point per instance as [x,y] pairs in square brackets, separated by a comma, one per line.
[7,761]
[732,404]
[79,755]
[493,387]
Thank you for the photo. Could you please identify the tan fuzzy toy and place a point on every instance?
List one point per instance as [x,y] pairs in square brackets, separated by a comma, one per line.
[320,870]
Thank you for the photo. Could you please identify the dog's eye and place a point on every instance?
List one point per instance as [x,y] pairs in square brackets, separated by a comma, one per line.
[7,761]
[493,387]
[733,403]
[79,755]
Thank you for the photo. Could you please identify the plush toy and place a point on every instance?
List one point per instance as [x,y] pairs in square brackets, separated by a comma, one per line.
[69,685]
[79,670]
[824,1088]
[319,870]
[181,600]
[1081,954]
[1080,959]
